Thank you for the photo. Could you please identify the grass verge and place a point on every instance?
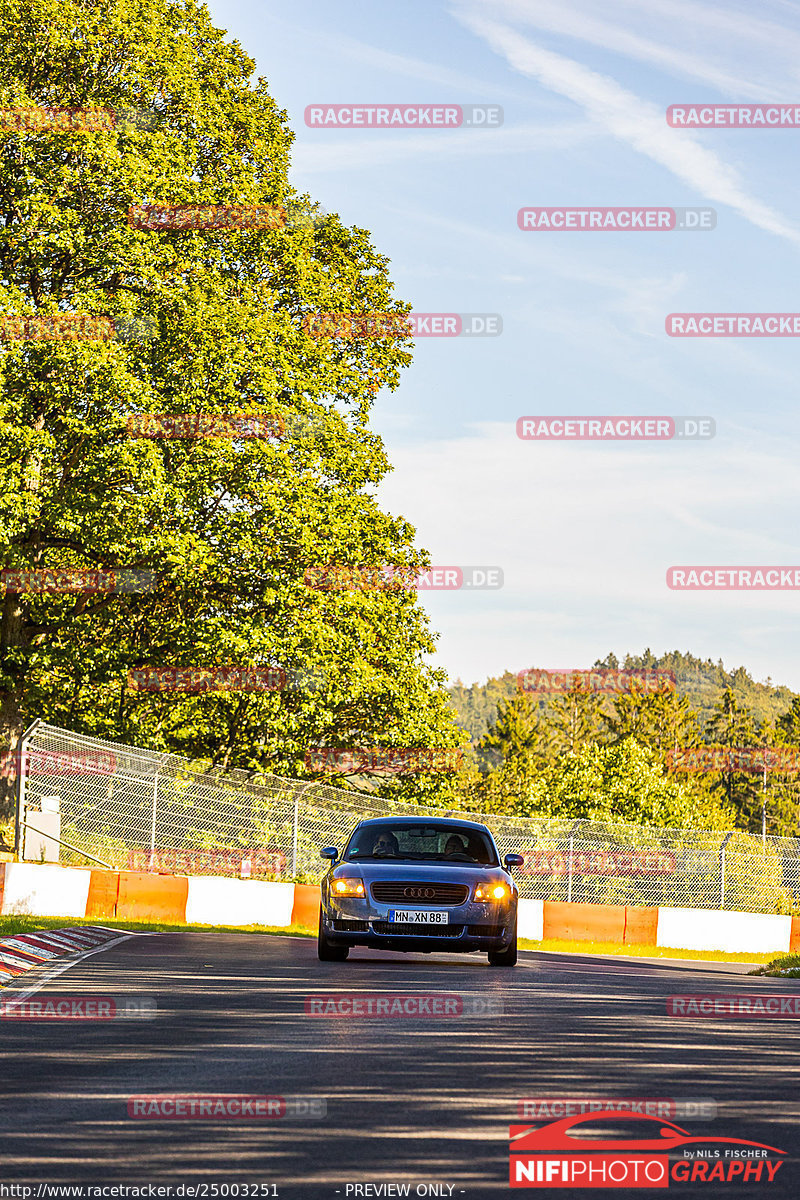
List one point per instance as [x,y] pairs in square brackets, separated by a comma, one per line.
[22,924]
[623,951]
[785,966]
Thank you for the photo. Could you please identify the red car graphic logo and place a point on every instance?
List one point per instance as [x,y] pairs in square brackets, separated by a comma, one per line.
[526,1139]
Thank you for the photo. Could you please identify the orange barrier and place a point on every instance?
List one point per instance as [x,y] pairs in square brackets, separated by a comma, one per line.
[305,909]
[101,903]
[794,936]
[641,926]
[144,897]
[584,922]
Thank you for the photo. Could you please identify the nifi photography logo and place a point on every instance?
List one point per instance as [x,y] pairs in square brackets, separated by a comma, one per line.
[625,1149]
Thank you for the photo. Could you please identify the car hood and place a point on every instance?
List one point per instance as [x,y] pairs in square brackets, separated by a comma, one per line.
[432,872]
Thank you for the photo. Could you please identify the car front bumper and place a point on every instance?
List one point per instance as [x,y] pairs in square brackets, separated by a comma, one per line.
[472,926]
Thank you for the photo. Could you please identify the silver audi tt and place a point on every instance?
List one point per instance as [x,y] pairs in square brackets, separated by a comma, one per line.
[408,884]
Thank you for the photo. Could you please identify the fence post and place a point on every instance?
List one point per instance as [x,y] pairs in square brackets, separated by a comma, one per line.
[294,833]
[153,824]
[728,836]
[19,816]
[575,825]
[296,821]
[569,883]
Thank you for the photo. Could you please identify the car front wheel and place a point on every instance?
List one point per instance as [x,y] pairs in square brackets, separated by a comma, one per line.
[507,957]
[328,951]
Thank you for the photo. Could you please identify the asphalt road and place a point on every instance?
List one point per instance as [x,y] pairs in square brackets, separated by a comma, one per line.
[417,1100]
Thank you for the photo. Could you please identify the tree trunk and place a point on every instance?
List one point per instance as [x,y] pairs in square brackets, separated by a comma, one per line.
[12,636]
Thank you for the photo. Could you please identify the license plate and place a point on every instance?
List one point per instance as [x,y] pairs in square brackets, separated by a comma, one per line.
[419,916]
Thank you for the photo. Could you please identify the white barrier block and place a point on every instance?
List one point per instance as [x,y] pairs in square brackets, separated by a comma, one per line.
[214,900]
[712,929]
[530,919]
[45,891]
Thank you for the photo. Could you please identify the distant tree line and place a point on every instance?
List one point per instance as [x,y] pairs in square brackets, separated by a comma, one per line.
[585,754]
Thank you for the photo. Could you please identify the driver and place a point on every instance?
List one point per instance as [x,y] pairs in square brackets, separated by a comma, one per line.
[386,843]
[454,845]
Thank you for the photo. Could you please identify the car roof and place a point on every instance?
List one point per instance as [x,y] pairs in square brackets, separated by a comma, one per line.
[456,822]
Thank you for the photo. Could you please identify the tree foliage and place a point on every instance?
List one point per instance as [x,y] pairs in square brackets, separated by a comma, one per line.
[553,758]
[228,525]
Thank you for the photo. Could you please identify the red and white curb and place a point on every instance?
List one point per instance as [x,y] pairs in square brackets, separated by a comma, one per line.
[25,951]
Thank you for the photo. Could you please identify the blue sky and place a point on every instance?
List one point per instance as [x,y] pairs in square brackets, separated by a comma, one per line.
[584,532]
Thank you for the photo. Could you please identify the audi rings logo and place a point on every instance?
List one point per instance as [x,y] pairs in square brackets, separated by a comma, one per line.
[419,893]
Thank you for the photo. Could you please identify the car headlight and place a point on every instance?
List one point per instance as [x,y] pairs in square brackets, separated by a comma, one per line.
[348,887]
[492,891]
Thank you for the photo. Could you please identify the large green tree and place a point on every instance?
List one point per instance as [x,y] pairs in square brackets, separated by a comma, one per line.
[574,719]
[511,753]
[663,720]
[732,724]
[620,783]
[229,526]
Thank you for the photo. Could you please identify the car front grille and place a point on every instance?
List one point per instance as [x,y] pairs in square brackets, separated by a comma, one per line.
[341,925]
[423,894]
[485,930]
[425,931]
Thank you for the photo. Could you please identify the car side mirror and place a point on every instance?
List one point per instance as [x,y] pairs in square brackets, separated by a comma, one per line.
[329,852]
[513,860]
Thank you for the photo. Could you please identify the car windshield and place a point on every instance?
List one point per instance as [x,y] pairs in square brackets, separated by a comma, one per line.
[431,842]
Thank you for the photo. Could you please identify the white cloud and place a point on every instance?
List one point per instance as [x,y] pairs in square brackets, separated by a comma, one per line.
[356,152]
[630,119]
[339,46]
[656,500]
[671,21]
[585,533]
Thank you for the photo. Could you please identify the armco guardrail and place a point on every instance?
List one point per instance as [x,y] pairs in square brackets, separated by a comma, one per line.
[84,801]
